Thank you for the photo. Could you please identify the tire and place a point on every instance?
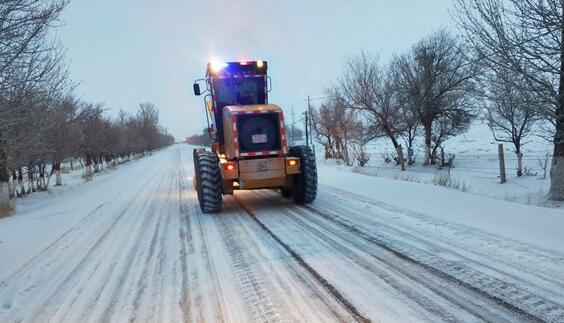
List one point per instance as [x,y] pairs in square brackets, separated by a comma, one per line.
[305,183]
[208,181]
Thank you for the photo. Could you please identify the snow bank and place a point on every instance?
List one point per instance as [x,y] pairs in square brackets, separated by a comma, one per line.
[537,226]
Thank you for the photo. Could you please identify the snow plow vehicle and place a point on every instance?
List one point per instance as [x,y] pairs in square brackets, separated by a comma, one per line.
[249,147]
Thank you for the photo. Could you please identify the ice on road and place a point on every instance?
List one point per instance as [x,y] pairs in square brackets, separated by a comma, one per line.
[133,245]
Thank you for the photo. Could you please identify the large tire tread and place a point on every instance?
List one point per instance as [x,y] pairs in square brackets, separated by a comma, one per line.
[305,183]
[208,178]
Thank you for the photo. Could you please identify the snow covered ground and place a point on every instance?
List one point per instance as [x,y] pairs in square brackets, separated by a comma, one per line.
[132,245]
[476,167]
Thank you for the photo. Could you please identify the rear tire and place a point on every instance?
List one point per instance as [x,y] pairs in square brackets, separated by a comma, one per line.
[208,181]
[305,183]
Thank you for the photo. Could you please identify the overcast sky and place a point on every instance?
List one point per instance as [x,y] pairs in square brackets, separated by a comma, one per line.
[129,51]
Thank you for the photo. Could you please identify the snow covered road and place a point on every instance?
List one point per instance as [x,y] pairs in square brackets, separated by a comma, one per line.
[134,246]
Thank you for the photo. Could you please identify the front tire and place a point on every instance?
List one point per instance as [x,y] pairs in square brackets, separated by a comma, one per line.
[305,183]
[207,181]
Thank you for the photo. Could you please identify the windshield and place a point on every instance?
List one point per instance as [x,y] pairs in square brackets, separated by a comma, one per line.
[239,91]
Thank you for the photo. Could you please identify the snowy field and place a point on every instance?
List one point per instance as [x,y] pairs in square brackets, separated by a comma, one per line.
[132,245]
[476,167]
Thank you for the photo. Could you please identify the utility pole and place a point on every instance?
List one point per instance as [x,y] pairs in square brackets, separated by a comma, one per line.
[306,128]
[309,111]
[310,124]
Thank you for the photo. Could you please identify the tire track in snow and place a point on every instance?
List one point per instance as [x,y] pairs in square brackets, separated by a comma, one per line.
[332,290]
[518,248]
[487,286]
[505,287]
[151,259]
[60,243]
[59,274]
[209,266]
[254,288]
[426,291]
[107,271]
[186,245]
[198,268]
[451,249]
[123,220]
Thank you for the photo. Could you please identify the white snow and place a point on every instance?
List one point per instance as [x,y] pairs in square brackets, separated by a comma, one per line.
[476,167]
[132,244]
[538,226]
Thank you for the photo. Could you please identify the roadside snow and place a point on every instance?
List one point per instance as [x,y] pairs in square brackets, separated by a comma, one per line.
[476,167]
[538,226]
[40,217]
[135,246]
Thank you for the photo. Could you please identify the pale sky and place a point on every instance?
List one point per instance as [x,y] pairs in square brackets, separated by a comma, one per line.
[129,51]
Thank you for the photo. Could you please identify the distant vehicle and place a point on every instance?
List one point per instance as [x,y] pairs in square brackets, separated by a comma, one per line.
[249,146]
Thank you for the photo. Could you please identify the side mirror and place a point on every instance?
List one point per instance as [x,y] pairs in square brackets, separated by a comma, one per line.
[197,89]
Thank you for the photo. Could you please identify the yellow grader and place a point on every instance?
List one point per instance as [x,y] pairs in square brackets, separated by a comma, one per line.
[249,146]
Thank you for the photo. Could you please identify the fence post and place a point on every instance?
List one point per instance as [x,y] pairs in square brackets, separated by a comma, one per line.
[501,164]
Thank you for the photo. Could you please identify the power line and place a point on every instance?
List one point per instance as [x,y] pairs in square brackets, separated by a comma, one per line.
[290,124]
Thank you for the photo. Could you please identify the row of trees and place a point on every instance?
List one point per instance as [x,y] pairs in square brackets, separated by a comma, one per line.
[508,67]
[519,43]
[67,129]
[41,122]
[426,92]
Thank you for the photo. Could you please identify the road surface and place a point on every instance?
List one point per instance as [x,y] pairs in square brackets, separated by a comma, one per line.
[134,246]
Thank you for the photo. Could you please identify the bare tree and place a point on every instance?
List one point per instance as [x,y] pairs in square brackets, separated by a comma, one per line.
[323,125]
[511,111]
[525,36]
[370,89]
[437,79]
[26,57]
[336,126]
[41,123]
[92,126]
[446,126]
[411,123]
[148,116]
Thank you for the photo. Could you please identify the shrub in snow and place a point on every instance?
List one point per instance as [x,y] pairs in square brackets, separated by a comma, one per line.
[361,155]
[6,208]
[446,180]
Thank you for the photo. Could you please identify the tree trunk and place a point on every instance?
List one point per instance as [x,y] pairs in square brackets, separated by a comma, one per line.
[428,127]
[57,170]
[101,162]
[41,183]
[88,170]
[14,187]
[31,185]
[409,144]
[519,163]
[21,181]
[434,154]
[557,169]
[4,178]
[398,148]
[399,151]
